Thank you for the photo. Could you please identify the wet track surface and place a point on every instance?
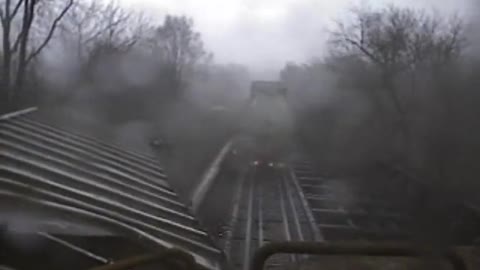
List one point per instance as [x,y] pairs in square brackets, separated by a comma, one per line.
[343,215]
[298,203]
[268,211]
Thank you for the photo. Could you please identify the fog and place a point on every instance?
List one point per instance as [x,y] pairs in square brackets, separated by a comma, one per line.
[265,34]
[118,77]
[353,119]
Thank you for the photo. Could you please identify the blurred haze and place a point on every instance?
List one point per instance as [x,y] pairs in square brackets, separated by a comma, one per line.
[171,78]
[267,33]
[374,86]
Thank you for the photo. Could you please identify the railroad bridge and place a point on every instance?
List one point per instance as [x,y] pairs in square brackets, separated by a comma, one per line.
[69,198]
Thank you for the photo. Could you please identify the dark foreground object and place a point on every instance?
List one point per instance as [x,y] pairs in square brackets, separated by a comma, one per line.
[34,251]
[376,250]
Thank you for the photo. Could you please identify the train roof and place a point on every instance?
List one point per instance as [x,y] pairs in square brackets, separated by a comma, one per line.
[69,179]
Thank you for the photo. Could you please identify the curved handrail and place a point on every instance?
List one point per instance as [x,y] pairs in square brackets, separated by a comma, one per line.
[350,249]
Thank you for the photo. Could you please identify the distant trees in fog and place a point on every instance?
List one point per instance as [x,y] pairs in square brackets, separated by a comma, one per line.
[32,29]
[19,24]
[180,48]
[96,46]
[397,86]
[400,41]
[107,34]
[90,25]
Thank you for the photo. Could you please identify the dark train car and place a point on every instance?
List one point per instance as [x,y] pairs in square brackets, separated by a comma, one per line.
[269,123]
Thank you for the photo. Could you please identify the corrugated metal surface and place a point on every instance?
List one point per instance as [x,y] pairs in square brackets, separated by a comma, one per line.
[43,165]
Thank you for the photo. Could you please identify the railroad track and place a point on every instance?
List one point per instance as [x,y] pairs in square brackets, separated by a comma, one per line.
[268,208]
[299,204]
[398,208]
[342,213]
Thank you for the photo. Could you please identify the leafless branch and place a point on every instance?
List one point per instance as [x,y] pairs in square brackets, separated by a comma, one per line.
[16,9]
[16,44]
[27,21]
[363,49]
[2,17]
[5,16]
[51,31]
[110,26]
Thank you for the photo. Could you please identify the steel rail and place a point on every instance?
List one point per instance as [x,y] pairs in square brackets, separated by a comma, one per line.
[209,177]
[293,209]
[248,233]
[317,234]
[285,221]
[260,216]
[235,213]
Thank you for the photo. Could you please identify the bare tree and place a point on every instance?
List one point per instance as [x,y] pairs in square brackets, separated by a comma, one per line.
[81,24]
[380,37]
[16,43]
[397,41]
[180,49]
[93,24]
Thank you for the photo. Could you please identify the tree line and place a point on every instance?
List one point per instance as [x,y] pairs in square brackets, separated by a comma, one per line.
[398,86]
[93,46]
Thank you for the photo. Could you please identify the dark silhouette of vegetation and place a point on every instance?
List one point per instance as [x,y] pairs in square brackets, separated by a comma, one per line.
[18,52]
[397,88]
[181,49]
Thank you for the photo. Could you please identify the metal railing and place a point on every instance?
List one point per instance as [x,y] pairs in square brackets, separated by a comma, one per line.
[371,250]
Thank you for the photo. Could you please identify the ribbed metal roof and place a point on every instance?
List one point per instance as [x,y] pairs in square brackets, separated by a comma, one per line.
[80,177]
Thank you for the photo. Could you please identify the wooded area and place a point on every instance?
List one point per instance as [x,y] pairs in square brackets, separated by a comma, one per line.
[92,47]
[398,87]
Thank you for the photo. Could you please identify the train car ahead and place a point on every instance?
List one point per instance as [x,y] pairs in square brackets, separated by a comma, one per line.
[269,122]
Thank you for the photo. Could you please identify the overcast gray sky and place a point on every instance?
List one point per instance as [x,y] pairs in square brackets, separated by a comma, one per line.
[267,33]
